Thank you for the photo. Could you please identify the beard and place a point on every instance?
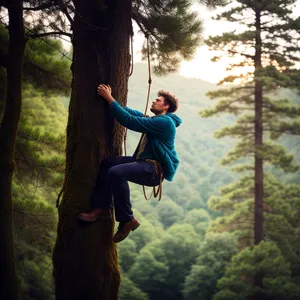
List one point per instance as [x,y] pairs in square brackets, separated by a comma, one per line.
[155,110]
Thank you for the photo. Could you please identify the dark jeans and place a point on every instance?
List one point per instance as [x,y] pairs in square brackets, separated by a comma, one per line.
[112,182]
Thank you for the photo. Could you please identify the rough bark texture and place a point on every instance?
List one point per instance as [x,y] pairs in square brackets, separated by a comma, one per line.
[84,258]
[8,131]
[259,188]
[258,177]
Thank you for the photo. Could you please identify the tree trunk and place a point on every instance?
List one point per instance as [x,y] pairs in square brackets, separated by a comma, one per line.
[85,258]
[8,132]
[259,186]
[258,177]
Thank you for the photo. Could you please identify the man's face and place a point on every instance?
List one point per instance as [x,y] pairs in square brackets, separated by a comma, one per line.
[159,106]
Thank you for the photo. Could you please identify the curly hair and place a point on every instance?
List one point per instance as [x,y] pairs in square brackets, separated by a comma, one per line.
[170,98]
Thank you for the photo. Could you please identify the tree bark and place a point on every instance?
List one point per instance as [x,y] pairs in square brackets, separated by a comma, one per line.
[259,186]
[85,258]
[8,132]
[258,177]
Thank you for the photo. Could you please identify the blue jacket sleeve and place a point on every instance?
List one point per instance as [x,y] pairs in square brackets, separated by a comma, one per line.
[134,112]
[154,126]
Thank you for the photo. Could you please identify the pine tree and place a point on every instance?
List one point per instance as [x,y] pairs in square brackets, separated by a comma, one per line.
[263,116]
[8,132]
[269,44]
[21,145]
[45,75]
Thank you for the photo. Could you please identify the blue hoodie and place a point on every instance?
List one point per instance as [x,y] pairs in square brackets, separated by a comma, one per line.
[160,130]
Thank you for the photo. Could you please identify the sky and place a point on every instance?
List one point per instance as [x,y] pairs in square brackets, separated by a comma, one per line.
[201,66]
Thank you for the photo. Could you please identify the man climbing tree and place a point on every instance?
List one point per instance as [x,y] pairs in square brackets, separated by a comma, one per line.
[85,258]
[154,159]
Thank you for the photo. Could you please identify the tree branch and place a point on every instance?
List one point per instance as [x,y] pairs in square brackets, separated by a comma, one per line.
[135,18]
[234,101]
[64,9]
[40,7]
[243,54]
[283,131]
[39,35]
[44,40]
[152,33]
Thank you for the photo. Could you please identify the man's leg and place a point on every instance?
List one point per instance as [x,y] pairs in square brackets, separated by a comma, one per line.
[101,199]
[139,172]
[102,195]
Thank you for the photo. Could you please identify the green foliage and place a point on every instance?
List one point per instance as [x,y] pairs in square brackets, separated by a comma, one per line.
[279,115]
[149,273]
[199,219]
[266,42]
[129,291]
[39,174]
[162,265]
[34,231]
[40,142]
[169,213]
[34,268]
[39,160]
[214,256]
[127,254]
[175,31]
[264,260]
[44,68]
[40,138]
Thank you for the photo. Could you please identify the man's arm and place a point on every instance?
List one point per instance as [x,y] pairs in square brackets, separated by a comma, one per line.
[134,112]
[105,92]
[154,126]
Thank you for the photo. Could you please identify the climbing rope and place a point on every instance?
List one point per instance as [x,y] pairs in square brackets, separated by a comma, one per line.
[149,82]
[131,47]
[158,169]
[130,73]
[149,74]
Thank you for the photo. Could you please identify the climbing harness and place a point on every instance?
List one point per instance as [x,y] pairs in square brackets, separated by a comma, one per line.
[155,192]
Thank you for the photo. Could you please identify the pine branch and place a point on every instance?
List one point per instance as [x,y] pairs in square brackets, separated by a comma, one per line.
[148,31]
[45,41]
[40,7]
[39,35]
[64,9]
[33,215]
[242,54]
[224,106]
[245,87]
[136,19]
[288,130]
